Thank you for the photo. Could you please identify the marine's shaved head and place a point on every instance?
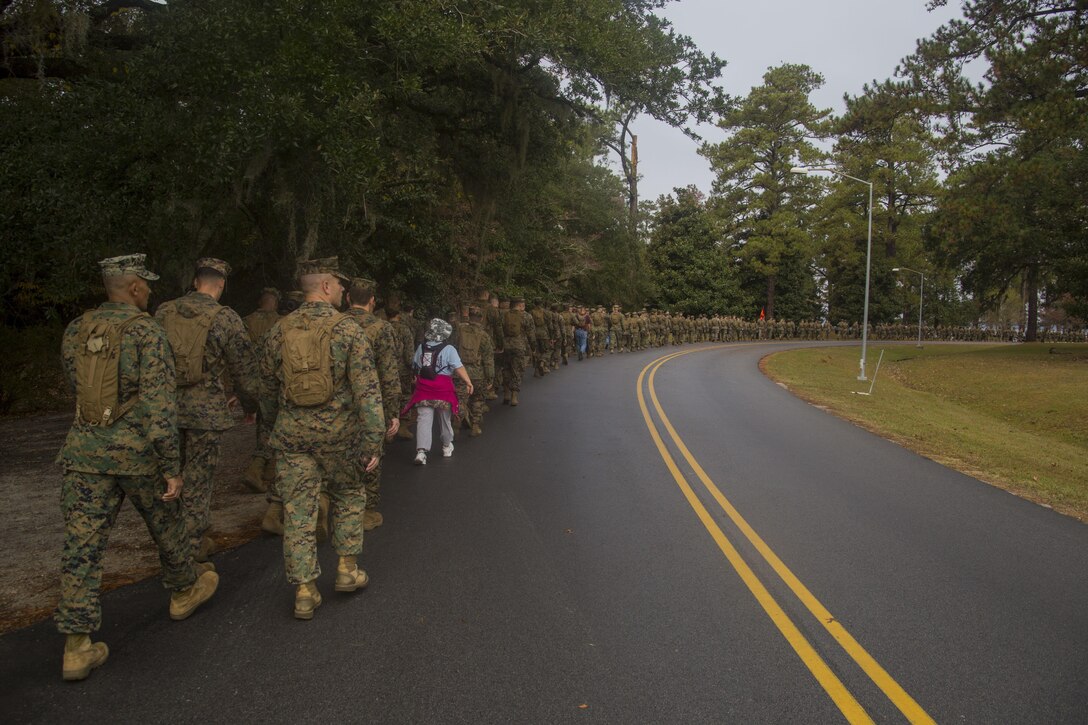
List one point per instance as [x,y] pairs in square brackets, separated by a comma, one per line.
[128,288]
[118,283]
[322,287]
[310,283]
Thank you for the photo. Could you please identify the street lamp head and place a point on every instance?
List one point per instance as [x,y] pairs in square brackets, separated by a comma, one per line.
[895,269]
[798,170]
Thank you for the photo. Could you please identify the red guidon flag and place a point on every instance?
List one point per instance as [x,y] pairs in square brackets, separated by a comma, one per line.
[763,313]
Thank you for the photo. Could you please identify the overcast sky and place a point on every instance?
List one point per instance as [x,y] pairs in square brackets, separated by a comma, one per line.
[850,42]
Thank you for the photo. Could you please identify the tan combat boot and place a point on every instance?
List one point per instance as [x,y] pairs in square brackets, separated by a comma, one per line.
[273,519]
[323,517]
[513,399]
[349,576]
[506,398]
[184,602]
[81,655]
[269,474]
[207,548]
[372,520]
[203,566]
[405,431]
[253,478]
[476,430]
[307,599]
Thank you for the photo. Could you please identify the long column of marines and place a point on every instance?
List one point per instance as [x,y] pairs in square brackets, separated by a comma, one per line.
[328,391]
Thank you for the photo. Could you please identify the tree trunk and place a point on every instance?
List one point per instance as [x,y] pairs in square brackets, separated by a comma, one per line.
[1031,291]
[770,297]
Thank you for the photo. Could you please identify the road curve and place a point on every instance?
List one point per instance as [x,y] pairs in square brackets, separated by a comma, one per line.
[555,571]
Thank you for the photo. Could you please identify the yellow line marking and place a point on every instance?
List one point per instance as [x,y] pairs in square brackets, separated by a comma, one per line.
[898,696]
[846,702]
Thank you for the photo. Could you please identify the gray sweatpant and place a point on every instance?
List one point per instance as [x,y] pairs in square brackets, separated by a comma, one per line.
[424,424]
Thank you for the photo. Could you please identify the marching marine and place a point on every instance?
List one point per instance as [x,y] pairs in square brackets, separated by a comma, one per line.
[384,343]
[321,394]
[261,470]
[209,342]
[519,332]
[122,444]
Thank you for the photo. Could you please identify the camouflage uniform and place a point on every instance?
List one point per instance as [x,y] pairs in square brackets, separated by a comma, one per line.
[105,463]
[385,346]
[258,323]
[519,333]
[617,331]
[479,362]
[321,445]
[203,414]
[598,331]
[406,348]
[493,324]
[541,342]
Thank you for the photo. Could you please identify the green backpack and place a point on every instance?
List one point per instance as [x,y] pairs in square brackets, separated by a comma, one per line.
[188,336]
[472,338]
[306,364]
[98,369]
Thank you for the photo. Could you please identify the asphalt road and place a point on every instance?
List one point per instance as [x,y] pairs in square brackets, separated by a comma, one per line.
[554,570]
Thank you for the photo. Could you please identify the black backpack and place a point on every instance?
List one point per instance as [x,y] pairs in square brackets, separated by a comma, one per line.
[428,369]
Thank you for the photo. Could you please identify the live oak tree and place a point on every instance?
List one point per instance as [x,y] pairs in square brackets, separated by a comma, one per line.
[431,145]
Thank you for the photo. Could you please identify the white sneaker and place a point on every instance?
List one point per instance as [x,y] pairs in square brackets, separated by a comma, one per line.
[421,457]
[447,450]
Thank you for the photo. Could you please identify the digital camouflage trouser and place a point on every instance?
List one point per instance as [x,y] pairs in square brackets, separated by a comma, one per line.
[475,402]
[463,411]
[514,366]
[302,477]
[372,482]
[199,459]
[90,503]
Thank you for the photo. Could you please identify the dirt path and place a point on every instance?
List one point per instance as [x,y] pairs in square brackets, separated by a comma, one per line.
[34,530]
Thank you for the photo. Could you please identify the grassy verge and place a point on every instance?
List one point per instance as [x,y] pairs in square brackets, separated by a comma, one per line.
[1013,416]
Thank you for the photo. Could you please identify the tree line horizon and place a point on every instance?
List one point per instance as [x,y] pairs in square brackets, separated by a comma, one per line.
[440,146]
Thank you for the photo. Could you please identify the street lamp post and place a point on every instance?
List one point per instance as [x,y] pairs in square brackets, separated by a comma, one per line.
[921,291]
[812,171]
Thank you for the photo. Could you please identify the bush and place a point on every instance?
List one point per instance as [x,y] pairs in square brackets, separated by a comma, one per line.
[31,374]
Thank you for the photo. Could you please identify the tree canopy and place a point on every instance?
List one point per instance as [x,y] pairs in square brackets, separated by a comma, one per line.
[438,146]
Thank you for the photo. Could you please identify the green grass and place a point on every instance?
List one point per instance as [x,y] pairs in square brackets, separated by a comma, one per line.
[1015,416]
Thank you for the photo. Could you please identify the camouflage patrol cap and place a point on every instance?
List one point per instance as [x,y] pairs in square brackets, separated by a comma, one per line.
[296,296]
[214,264]
[127,264]
[325,265]
[271,291]
[517,300]
[362,285]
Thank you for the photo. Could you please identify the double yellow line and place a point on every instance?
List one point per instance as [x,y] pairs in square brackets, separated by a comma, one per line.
[846,702]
